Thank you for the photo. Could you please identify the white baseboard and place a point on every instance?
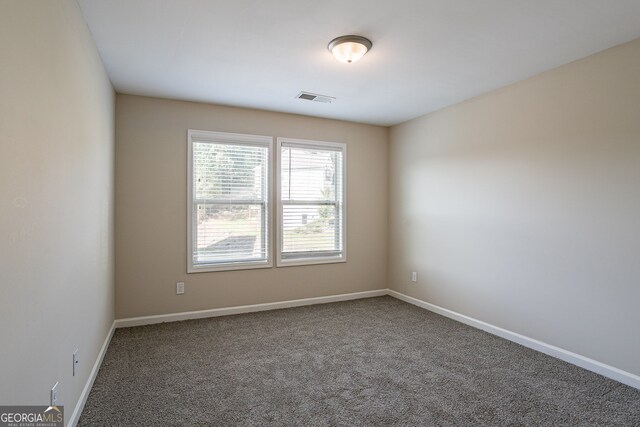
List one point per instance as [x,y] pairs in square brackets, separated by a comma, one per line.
[75,416]
[557,352]
[173,317]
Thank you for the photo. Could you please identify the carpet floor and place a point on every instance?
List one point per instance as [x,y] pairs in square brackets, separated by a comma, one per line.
[370,362]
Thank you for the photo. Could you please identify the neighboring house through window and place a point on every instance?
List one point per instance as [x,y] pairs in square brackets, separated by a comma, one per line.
[311,202]
[229,214]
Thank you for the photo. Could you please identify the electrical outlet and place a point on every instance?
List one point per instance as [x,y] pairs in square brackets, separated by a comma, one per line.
[75,362]
[414,276]
[179,288]
[54,395]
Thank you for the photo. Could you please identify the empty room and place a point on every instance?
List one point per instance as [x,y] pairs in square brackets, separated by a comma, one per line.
[319,213]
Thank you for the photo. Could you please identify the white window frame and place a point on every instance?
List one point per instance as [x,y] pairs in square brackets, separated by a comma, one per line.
[239,139]
[280,262]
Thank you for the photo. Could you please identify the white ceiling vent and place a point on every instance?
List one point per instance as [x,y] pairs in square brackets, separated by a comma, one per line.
[315,97]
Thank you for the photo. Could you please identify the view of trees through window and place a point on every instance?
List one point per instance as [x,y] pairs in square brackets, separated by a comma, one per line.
[230,202]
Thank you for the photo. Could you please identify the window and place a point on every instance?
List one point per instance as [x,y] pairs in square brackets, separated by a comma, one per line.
[228,201]
[311,202]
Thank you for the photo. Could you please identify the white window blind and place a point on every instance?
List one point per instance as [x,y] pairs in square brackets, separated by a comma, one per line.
[229,201]
[312,203]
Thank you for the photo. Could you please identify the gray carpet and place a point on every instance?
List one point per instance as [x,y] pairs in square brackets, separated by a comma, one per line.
[370,362]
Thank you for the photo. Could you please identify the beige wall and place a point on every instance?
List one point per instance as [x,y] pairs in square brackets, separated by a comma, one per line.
[56,201]
[151,206]
[521,207]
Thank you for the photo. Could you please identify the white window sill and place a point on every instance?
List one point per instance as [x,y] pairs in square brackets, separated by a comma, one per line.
[310,261]
[207,268]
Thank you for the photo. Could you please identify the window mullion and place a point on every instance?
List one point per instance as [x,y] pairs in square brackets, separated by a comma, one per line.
[309,202]
[228,202]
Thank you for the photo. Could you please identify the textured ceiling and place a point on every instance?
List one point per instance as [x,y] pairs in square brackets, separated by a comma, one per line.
[426,54]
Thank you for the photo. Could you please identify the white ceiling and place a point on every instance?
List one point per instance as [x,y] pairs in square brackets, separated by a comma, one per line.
[426,54]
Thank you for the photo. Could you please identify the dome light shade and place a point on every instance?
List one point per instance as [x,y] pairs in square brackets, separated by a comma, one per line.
[349,49]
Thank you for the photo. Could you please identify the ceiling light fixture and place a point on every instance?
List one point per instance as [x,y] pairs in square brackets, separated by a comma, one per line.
[349,49]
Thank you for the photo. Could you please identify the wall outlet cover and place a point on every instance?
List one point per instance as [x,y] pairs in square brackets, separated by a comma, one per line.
[75,361]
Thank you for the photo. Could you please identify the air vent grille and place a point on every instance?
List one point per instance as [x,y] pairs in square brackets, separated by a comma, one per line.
[315,97]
